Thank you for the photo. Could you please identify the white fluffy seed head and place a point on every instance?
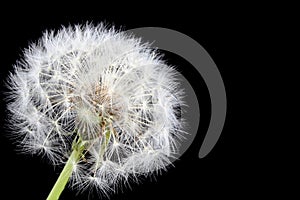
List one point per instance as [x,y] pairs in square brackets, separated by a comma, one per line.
[89,80]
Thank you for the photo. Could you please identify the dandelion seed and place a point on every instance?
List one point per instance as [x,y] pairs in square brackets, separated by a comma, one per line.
[102,98]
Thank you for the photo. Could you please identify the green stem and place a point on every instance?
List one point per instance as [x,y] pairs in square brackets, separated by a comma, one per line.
[78,147]
[66,173]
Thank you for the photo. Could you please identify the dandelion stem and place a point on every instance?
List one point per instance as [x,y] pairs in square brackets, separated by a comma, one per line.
[66,173]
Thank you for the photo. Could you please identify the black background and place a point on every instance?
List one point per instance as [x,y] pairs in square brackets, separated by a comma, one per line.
[228,170]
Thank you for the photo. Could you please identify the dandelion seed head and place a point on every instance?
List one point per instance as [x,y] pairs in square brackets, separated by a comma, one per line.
[111,89]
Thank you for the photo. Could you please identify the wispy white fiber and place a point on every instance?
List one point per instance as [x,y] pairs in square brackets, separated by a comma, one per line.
[89,80]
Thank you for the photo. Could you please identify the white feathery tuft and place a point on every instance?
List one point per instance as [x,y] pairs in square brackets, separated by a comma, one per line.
[91,80]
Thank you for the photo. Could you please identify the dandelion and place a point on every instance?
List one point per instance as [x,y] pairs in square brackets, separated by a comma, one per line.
[100,102]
